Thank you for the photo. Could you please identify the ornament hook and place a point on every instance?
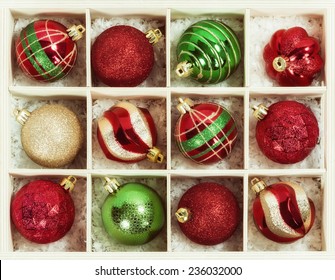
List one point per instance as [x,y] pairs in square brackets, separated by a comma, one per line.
[184,105]
[260,111]
[153,35]
[68,183]
[183,215]
[22,116]
[76,32]
[279,64]
[184,69]
[155,155]
[111,185]
[257,185]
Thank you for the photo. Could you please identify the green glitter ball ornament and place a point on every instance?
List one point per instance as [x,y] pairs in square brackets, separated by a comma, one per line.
[132,214]
[208,51]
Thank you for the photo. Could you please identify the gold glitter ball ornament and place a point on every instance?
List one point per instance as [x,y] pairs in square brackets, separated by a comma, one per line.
[51,135]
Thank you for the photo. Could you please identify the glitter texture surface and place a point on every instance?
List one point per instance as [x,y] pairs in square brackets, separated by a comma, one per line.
[42,211]
[214,213]
[122,56]
[288,133]
[52,136]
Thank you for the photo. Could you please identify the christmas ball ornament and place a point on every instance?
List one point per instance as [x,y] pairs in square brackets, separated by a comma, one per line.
[205,133]
[282,212]
[51,135]
[127,133]
[133,213]
[46,50]
[208,51]
[123,56]
[286,132]
[292,57]
[43,211]
[208,213]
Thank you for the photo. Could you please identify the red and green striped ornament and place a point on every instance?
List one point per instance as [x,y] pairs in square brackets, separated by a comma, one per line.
[46,50]
[205,133]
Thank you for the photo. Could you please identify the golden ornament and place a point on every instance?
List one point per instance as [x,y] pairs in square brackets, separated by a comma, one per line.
[51,135]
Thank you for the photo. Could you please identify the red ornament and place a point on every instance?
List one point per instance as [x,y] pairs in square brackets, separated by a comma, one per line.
[282,211]
[208,213]
[43,211]
[46,51]
[123,56]
[205,133]
[127,133]
[287,131]
[292,57]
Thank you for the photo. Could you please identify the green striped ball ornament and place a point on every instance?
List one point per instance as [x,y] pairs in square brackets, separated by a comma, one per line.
[208,51]
[205,133]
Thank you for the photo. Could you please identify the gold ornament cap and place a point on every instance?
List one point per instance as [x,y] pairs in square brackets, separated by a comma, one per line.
[184,69]
[184,105]
[111,185]
[279,64]
[183,215]
[153,35]
[257,185]
[155,155]
[260,111]
[68,183]
[76,32]
[21,116]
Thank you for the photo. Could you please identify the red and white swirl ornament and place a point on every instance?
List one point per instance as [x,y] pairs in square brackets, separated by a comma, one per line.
[127,133]
[282,212]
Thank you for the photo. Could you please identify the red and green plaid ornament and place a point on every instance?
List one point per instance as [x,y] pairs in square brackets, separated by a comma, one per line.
[205,133]
[46,50]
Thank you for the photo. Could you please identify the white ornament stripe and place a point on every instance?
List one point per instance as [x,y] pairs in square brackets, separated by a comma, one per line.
[112,144]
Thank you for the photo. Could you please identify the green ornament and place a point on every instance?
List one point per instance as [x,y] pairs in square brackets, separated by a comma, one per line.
[132,214]
[208,51]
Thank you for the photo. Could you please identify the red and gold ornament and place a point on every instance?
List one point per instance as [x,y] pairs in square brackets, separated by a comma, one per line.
[46,50]
[205,133]
[286,132]
[123,56]
[208,213]
[282,212]
[43,211]
[292,57]
[127,133]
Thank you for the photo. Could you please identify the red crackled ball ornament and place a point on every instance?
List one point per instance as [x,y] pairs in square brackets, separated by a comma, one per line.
[127,133]
[286,132]
[46,50]
[292,57]
[208,213]
[123,56]
[282,212]
[43,211]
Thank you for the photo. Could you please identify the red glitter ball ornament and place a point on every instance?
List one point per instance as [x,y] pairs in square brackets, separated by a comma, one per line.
[46,50]
[123,56]
[127,133]
[292,57]
[43,211]
[287,131]
[208,213]
[282,212]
